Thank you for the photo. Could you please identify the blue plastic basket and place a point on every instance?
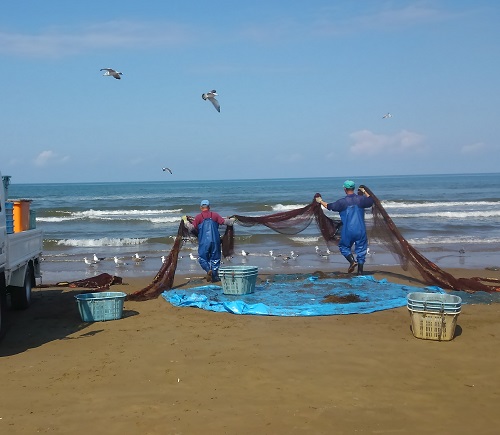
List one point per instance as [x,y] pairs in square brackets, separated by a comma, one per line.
[9,217]
[99,307]
[238,280]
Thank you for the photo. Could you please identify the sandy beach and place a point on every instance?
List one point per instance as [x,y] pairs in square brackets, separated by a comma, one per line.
[167,370]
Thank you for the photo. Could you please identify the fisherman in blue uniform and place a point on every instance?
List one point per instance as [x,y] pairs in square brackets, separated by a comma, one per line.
[206,223]
[353,232]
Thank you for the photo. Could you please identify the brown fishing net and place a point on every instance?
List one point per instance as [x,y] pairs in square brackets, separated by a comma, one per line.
[384,231]
[98,283]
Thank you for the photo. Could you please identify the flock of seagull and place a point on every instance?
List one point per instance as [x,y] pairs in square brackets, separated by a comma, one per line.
[95,260]
[139,259]
[210,95]
[207,96]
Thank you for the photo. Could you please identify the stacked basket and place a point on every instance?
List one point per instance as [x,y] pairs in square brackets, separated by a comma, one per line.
[238,280]
[434,315]
[9,217]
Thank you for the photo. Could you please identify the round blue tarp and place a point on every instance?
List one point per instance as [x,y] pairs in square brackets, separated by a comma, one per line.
[300,296]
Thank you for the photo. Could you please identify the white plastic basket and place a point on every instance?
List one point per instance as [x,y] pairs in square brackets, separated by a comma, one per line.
[434,315]
[433,326]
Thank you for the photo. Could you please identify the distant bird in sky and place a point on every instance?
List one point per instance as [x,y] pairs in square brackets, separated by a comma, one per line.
[211,97]
[167,169]
[111,72]
[387,115]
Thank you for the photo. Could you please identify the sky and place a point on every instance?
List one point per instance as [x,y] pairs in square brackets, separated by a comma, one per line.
[303,88]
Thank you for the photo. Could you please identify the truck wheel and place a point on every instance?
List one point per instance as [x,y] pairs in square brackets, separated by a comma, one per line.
[3,310]
[21,296]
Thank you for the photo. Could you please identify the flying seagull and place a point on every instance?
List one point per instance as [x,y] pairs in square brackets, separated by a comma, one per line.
[167,169]
[211,96]
[111,72]
[387,115]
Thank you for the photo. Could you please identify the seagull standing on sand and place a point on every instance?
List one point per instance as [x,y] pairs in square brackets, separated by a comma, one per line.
[89,262]
[166,169]
[321,253]
[112,73]
[119,262]
[387,115]
[211,97]
[192,257]
[98,259]
[139,258]
[274,257]
[244,253]
[293,255]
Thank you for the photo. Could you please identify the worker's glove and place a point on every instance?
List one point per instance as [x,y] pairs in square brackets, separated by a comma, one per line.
[319,199]
[229,221]
[185,219]
[362,190]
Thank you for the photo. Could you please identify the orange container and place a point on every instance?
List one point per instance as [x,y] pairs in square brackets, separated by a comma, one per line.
[21,215]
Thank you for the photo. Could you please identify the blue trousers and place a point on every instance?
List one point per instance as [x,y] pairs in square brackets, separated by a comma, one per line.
[209,248]
[360,246]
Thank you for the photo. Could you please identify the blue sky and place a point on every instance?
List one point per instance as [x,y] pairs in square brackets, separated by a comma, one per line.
[302,86]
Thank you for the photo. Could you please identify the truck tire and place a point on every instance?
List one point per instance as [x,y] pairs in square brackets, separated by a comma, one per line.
[3,305]
[21,296]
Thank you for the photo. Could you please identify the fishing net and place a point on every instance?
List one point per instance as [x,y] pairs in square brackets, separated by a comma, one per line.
[383,231]
[98,283]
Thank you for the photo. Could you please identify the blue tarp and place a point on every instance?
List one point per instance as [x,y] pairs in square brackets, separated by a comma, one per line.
[302,296]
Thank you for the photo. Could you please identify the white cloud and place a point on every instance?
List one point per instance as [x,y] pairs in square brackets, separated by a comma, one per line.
[60,41]
[366,142]
[473,148]
[382,19]
[290,158]
[49,157]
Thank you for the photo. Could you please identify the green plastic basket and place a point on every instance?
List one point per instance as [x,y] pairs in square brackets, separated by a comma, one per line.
[99,307]
[238,280]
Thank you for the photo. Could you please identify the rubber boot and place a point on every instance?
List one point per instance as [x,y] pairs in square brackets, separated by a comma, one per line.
[352,263]
[360,269]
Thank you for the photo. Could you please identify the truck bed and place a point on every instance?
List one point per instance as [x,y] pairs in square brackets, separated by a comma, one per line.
[23,246]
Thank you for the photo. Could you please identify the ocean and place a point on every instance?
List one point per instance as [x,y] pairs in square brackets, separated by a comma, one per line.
[440,215]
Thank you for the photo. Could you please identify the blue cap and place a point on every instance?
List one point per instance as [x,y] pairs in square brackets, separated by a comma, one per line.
[205,203]
[349,184]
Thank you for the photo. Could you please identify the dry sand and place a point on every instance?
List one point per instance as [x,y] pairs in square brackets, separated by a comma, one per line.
[167,370]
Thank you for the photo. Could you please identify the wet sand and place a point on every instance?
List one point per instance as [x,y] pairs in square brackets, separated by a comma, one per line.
[167,370]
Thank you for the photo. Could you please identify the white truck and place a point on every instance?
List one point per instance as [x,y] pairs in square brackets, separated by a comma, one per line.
[20,258]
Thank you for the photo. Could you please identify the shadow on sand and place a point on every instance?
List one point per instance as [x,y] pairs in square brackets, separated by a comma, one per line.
[52,315]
